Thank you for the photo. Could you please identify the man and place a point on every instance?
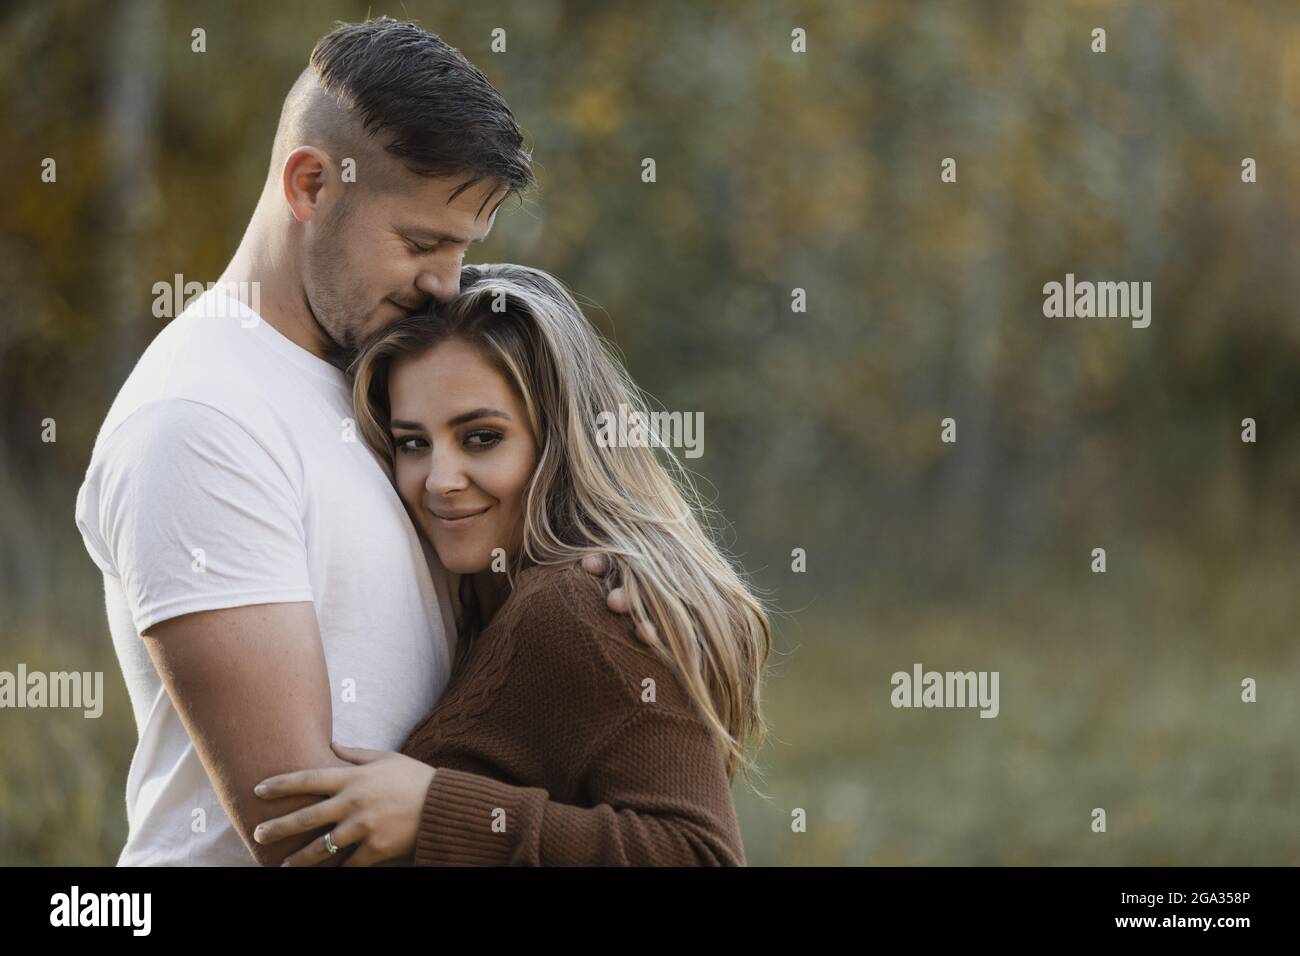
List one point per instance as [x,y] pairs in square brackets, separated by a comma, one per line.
[265,589]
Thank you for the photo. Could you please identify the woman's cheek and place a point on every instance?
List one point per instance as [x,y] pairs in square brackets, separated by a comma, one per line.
[410,486]
[402,478]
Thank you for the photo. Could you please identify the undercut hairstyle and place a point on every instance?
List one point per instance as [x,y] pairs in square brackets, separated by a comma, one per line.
[384,86]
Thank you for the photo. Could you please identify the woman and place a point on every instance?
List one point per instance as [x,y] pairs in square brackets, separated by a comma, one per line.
[567,734]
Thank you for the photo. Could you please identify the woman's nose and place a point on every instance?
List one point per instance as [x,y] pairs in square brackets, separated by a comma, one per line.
[445,476]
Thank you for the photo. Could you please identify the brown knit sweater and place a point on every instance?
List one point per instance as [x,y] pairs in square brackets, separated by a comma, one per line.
[546,754]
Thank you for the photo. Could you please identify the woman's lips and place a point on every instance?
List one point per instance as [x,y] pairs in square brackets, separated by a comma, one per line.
[454,524]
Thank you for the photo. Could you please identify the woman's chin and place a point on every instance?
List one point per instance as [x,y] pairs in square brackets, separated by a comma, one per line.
[458,561]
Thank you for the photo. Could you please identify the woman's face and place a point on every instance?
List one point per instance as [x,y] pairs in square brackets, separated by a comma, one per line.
[463,453]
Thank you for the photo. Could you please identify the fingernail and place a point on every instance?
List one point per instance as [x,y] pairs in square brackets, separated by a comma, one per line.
[260,790]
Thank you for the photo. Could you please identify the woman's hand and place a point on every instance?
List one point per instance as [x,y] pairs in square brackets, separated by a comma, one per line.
[375,806]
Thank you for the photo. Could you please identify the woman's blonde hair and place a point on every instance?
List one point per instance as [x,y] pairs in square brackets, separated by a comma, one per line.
[627,501]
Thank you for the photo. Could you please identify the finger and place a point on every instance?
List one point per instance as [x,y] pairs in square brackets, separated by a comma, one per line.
[647,632]
[343,836]
[323,781]
[313,853]
[616,601]
[302,820]
[359,754]
[597,564]
[365,856]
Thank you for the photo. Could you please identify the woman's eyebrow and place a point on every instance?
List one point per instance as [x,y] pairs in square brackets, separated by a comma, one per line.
[477,413]
[405,425]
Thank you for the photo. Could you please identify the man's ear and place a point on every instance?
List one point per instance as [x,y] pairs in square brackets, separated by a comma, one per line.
[306,175]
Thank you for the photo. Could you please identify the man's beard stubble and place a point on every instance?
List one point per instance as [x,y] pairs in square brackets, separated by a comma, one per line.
[331,311]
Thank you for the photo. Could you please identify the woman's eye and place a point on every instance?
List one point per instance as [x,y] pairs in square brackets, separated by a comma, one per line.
[486,439]
[408,445]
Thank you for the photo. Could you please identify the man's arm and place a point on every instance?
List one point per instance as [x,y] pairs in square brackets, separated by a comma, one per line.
[234,639]
[251,687]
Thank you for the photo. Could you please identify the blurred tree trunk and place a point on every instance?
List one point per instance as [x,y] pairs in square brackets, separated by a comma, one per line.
[976,481]
[136,32]
[1147,38]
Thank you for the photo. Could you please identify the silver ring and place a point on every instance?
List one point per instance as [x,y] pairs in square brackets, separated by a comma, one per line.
[329,845]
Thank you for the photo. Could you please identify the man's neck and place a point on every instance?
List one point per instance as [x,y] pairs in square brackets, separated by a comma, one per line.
[281,302]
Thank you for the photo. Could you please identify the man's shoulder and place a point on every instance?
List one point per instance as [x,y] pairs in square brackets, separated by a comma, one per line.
[166,428]
[201,370]
[201,338]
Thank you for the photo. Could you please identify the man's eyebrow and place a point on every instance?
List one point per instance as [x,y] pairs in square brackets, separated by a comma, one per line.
[419,232]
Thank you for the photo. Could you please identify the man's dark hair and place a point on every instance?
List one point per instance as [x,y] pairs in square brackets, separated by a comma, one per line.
[435,110]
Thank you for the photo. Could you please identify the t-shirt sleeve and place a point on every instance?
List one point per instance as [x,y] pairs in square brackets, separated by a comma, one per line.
[192,513]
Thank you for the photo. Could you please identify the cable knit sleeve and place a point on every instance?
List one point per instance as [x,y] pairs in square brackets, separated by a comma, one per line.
[648,780]
[662,795]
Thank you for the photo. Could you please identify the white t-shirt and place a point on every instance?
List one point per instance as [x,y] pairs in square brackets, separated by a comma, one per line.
[229,472]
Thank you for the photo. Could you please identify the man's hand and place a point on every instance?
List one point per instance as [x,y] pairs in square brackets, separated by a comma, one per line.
[616,600]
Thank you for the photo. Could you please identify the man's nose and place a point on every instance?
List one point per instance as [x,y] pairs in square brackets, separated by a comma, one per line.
[443,284]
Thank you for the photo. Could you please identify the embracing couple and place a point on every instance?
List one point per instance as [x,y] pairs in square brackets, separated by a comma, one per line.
[379,594]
